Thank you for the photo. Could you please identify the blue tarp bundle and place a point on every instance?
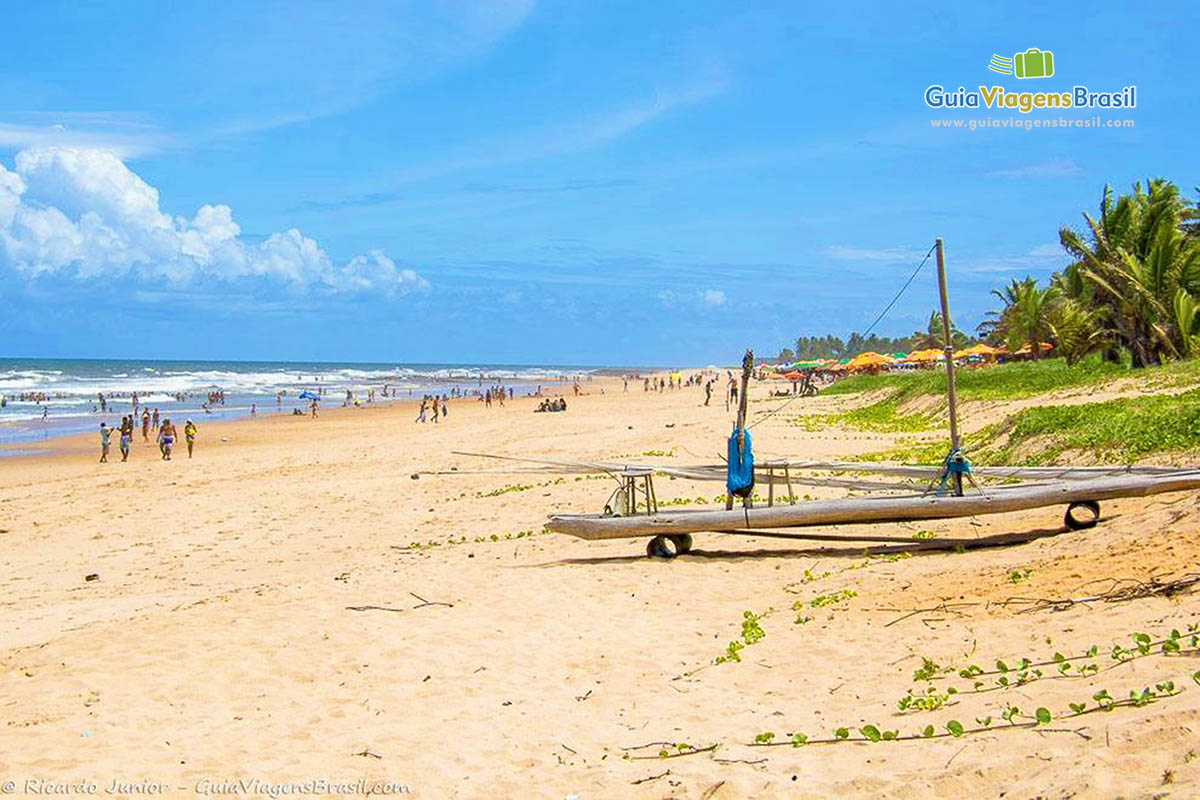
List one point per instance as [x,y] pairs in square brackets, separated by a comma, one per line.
[308,396]
[739,477]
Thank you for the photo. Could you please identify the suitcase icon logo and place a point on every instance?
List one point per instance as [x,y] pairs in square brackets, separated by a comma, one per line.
[1033,63]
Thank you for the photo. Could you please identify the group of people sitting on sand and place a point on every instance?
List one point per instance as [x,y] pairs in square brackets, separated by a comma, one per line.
[558,404]
[167,434]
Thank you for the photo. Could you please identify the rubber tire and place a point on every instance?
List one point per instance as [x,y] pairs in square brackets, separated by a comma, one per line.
[682,542]
[658,548]
[1076,524]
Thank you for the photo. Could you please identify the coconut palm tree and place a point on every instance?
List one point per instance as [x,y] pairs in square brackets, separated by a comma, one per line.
[1025,318]
[1138,260]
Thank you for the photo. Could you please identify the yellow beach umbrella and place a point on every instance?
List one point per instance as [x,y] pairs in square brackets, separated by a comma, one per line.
[870,359]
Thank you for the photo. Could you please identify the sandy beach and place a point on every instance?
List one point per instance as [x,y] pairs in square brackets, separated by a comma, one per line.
[259,613]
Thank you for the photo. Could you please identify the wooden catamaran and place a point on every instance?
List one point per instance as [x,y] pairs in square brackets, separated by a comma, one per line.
[914,493]
[1079,489]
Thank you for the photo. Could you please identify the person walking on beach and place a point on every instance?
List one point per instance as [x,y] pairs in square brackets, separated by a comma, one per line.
[145,424]
[434,403]
[126,436]
[424,403]
[105,432]
[189,435]
[707,392]
[313,408]
[166,439]
[443,407]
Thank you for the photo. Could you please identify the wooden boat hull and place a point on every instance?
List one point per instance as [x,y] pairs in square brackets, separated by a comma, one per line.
[879,509]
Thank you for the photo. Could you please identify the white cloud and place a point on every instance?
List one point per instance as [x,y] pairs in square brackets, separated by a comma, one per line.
[849,253]
[701,298]
[83,213]
[1055,168]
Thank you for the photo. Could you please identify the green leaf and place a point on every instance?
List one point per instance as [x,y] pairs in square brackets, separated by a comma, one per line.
[799,739]
[842,733]
[928,731]
[1078,707]
[871,732]
[1043,716]
[1000,665]
[764,737]
[955,727]
[890,735]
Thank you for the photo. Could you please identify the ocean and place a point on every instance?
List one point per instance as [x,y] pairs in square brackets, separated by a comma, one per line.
[44,398]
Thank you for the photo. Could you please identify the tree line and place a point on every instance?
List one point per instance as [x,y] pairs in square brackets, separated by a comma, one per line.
[810,348]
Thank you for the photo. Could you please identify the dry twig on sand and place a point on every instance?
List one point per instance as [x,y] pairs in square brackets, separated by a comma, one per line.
[1120,591]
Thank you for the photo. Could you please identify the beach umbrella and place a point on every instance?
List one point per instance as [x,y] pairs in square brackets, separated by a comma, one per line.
[870,359]
[308,396]
[979,349]
[794,376]
[920,356]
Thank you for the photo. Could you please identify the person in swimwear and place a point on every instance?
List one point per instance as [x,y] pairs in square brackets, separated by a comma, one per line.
[126,436]
[105,432]
[189,434]
[166,439]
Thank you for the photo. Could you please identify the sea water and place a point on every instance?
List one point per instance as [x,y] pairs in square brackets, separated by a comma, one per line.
[179,389]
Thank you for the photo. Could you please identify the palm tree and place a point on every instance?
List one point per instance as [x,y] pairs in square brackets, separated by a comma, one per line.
[1138,261]
[1025,318]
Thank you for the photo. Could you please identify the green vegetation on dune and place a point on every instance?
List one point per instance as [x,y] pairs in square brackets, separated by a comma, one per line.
[1003,382]
[1119,431]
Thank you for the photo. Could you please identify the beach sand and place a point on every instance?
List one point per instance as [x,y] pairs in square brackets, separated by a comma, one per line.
[259,614]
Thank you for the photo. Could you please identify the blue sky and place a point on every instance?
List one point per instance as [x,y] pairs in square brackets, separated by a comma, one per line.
[542,182]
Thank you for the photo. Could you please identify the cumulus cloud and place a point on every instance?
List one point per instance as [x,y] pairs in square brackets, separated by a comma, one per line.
[83,213]
[703,298]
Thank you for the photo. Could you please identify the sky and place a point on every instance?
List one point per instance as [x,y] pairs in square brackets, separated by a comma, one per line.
[525,181]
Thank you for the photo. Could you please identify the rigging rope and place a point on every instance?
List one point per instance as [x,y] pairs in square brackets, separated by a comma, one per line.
[882,314]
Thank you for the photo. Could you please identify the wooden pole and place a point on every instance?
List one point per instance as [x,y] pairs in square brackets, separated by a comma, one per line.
[747,368]
[951,396]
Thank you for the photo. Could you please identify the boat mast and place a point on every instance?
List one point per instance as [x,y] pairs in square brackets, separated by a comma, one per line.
[951,397]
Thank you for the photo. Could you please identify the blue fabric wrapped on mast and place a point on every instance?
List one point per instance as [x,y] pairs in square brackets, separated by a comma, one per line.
[739,476]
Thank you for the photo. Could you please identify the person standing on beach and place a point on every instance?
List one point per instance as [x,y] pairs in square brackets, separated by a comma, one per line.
[126,436]
[313,408]
[105,432]
[443,407]
[707,392]
[424,404]
[189,435]
[145,424]
[155,422]
[253,410]
[166,439]
[435,411]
